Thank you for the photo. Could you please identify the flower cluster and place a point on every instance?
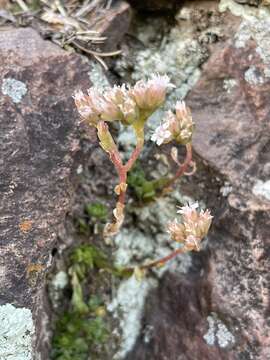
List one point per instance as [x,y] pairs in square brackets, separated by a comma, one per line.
[133,106]
[193,228]
[178,126]
[125,104]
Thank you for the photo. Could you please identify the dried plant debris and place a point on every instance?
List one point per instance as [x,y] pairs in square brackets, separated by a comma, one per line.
[71,24]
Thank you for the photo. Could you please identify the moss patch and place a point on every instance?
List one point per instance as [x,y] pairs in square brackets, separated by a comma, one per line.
[77,335]
[82,328]
[143,189]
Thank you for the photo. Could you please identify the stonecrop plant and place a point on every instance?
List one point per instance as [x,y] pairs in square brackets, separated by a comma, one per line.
[132,106]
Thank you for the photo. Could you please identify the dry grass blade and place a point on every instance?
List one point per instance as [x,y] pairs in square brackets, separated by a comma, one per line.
[71,22]
[22,5]
[92,52]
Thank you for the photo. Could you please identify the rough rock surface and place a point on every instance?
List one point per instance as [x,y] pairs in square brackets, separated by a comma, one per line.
[114,24]
[220,309]
[39,142]
[235,126]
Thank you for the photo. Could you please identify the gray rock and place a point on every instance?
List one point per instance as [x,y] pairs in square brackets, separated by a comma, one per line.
[39,141]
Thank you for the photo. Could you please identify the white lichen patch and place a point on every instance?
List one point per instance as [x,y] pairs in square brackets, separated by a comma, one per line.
[218,333]
[16,332]
[97,77]
[128,305]
[245,11]
[180,58]
[229,85]
[132,244]
[56,287]
[254,26]
[262,189]
[13,88]
[60,280]
[178,54]
[226,189]
[253,76]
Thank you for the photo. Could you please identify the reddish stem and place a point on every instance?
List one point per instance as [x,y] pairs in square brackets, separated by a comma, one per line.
[183,167]
[160,261]
[122,179]
[164,259]
[122,173]
[134,156]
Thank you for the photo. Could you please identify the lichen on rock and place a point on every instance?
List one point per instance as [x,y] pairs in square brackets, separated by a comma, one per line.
[13,88]
[16,331]
[128,304]
[262,189]
[218,333]
[255,25]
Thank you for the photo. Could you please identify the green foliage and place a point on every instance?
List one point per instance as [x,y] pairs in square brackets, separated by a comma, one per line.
[82,226]
[76,334]
[84,258]
[87,256]
[95,215]
[80,329]
[144,189]
[97,211]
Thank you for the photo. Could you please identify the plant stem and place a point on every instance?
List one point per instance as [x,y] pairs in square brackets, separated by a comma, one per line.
[183,167]
[139,146]
[122,180]
[163,260]
[160,261]
[122,171]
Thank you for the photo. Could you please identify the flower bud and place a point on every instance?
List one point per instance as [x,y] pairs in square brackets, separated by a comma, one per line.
[193,228]
[125,108]
[182,126]
[177,231]
[85,108]
[177,126]
[130,112]
[151,94]
[106,141]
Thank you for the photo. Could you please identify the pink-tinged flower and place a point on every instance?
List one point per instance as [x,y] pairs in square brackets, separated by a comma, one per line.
[85,108]
[116,94]
[181,109]
[192,243]
[193,228]
[118,105]
[161,134]
[187,210]
[130,111]
[180,124]
[176,231]
[149,95]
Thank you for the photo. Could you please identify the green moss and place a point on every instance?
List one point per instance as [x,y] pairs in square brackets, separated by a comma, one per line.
[76,335]
[83,259]
[82,226]
[97,211]
[144,190]
[95,215]
[79,331]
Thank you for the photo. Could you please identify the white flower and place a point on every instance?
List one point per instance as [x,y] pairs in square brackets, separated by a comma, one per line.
[161,134]
[160,81]
[181,107]
[188,208]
